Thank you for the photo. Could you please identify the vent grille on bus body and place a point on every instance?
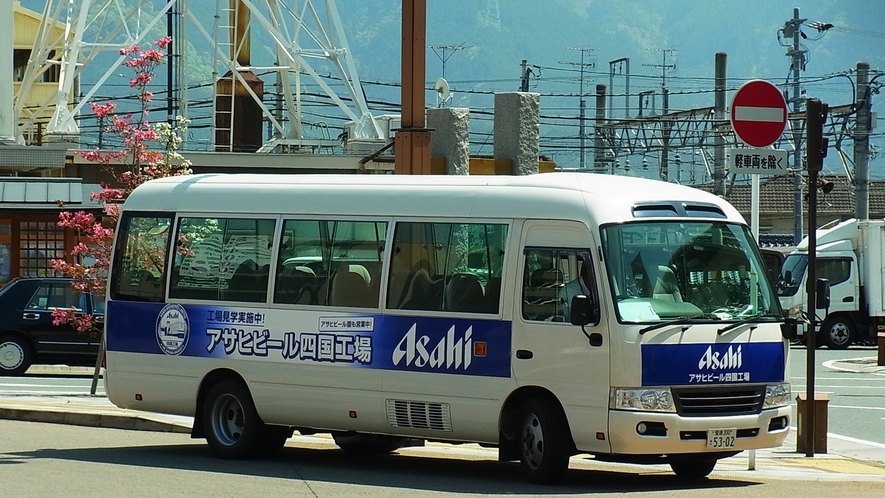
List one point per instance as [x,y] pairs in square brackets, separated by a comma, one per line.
[419,415]
[736,400]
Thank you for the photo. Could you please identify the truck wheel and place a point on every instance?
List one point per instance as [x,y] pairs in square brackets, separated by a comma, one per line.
[544,442]
[15,355]
[233,427]
[837,332]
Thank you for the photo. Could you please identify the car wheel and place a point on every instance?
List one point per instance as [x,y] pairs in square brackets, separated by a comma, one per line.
[15,355]
[837,332]
[232,425]
[544,442]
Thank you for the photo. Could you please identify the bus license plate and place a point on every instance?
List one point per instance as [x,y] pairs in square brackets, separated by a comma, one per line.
[721,438]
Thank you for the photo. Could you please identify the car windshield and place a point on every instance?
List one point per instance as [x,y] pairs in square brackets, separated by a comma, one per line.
[792,271]
[684,270]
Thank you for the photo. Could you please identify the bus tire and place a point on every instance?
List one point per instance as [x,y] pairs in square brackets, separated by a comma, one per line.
[837,332]
[696,467]
[231,423]
[544,442]
[16,354]
[367,444]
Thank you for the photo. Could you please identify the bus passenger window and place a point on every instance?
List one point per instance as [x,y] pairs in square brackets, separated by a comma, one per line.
[140,258]
[447,267]
[334,263]
[222,259]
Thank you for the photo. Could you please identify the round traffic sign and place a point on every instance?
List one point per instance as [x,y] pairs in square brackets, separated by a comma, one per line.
[758,113]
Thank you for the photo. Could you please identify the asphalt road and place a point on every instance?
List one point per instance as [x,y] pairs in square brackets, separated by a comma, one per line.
[856,407]
[38,460]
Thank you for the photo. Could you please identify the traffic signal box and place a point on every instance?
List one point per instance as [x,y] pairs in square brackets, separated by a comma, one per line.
[816,149]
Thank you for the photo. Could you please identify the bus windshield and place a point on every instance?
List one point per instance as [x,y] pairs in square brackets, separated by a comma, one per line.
[666,270]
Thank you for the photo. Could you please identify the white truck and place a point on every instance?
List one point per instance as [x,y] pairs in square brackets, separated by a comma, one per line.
[850,255]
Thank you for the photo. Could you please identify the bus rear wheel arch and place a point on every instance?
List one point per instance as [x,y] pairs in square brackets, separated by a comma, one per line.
[232,426]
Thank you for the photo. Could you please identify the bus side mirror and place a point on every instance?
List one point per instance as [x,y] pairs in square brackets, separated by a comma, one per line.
[822,294]
[583,311]
[790,330]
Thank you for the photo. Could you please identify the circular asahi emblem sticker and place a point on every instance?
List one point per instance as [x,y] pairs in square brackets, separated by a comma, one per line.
[172,329]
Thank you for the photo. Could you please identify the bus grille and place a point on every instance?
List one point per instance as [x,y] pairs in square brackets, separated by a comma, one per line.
[419,415]
[730,400]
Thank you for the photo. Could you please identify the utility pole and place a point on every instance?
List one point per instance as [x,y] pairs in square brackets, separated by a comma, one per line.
[797,63]
[526,73]
[619,65]
[721,67]
[665,132]
[583,65]
[862,143]
[599,165]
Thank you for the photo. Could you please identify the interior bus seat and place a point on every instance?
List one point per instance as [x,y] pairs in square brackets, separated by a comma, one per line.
[350,287]
[666,286]
[492,295]
[464,293]
[541,298]
[423,293]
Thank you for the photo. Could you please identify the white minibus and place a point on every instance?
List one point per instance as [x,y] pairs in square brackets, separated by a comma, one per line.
[546,315]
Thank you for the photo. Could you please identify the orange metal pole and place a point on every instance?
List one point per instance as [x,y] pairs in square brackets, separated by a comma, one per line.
[412,153]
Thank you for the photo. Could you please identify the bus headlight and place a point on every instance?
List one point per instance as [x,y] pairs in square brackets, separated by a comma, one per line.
[642,399]
[777,395]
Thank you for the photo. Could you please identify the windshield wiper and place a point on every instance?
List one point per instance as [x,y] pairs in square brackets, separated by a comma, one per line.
[749,319]
[682,320]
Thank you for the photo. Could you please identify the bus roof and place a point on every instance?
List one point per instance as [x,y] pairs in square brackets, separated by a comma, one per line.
[585,197]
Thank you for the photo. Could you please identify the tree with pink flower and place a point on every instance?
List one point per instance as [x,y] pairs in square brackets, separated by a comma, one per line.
[142,161]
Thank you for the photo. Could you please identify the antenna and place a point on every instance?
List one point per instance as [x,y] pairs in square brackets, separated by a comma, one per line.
[442,91]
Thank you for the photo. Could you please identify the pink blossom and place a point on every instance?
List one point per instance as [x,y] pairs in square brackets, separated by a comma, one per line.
[102,110]
[130,50]
[163,42]
[152,56]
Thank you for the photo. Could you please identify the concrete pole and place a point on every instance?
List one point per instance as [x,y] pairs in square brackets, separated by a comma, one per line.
[721,66]
[796,65]
[862,144]
[7,119]
[598,152]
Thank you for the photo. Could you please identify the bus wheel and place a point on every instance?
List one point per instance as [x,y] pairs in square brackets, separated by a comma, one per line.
[232,425]
[15,355]
[837,332]
[367,444]
[544,447]
[692,467]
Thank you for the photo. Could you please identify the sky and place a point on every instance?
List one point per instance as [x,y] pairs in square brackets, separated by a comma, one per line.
[493,36]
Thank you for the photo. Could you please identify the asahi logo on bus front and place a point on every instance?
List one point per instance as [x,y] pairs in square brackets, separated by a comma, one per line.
[449,352]
[728,359]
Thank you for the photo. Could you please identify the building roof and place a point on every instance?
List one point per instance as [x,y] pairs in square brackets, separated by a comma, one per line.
[777,196]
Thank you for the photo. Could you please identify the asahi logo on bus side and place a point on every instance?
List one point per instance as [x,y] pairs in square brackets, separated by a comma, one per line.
[449,352]
[730,358]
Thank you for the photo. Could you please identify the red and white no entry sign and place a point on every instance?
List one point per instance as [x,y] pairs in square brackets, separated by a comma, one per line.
[758,113]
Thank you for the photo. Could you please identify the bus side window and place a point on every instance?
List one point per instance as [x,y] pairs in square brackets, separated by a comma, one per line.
[140,258]
[453,267]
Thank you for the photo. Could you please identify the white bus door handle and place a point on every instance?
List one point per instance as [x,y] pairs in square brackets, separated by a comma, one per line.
[31,316]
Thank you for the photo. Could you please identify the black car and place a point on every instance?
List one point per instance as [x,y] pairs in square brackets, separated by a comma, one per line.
[27,335]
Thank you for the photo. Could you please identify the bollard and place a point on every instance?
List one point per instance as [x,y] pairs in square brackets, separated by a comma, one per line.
[881,361]
[820,422]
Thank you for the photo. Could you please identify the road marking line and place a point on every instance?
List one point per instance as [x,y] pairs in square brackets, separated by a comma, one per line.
[857,407]
[855,440]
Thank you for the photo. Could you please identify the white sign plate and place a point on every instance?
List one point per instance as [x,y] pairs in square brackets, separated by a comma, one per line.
[757,162]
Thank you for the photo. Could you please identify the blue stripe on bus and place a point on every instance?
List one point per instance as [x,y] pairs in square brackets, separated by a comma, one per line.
[706,364]
[419,344]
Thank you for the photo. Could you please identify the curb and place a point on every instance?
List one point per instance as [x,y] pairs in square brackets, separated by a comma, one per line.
[88,418]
